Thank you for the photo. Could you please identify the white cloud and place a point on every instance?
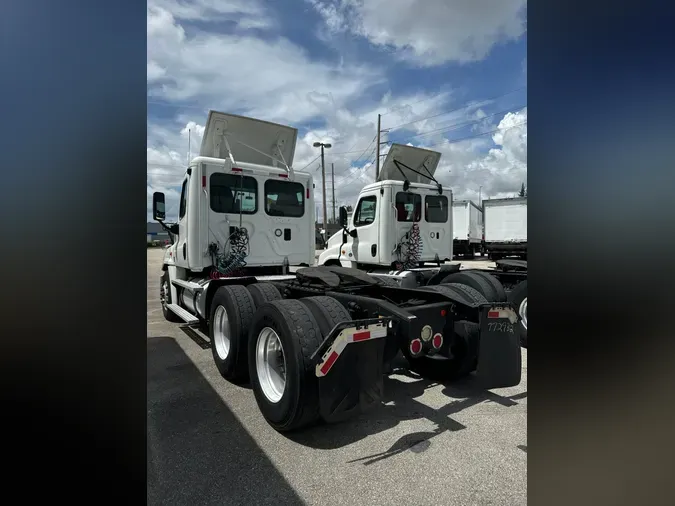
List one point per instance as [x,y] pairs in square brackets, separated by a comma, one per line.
[428,32]
[271,78]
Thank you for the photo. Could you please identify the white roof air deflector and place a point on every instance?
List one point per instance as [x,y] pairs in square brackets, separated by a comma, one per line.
[416,165]
[248,140]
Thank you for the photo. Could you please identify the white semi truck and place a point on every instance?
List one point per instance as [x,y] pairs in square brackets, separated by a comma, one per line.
[505,227]
[467,220]
[315,343]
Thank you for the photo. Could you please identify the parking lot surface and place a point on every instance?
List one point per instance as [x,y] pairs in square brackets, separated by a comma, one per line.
[428,444]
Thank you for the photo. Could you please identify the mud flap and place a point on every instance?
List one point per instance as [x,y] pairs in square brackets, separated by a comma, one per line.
[499,353]
[351,373]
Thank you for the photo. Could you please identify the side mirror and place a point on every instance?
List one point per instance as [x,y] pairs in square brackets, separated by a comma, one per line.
[343,216]
[158,210]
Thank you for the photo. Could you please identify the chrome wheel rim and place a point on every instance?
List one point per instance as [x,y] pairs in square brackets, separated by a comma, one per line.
[270,363]
[221,332]
[522,311]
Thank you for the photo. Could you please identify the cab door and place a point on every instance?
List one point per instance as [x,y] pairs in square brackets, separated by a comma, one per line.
[438,235]
[365,222]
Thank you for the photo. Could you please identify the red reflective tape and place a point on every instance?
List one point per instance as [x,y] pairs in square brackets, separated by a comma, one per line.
[235,169]
[361,336]
[493,314]
[283,175]
[203,181]
[329,363]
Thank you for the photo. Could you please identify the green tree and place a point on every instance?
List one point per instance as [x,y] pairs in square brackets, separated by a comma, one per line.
[523,191]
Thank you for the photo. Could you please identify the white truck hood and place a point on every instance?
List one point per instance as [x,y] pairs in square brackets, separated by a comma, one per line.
[250,140]
[415,158]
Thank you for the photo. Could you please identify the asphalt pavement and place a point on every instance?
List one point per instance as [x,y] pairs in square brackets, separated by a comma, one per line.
[428,444]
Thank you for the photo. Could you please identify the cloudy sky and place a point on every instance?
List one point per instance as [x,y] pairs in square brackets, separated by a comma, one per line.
[446,74]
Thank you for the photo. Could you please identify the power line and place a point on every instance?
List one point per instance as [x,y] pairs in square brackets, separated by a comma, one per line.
[454,141]
[466,123]
[310,163]
[455,110]
[176,106]
[415,103]
[445,141]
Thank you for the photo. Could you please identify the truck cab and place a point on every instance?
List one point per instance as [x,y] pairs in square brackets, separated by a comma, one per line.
[381,230]
[239,181]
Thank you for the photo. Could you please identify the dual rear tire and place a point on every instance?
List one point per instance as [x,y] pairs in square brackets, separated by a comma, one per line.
[259,336]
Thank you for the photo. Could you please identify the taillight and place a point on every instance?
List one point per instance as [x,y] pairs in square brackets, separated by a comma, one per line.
[307,193]
[415,346]
[283,176]
[203,181]
[236,169]
[437,341]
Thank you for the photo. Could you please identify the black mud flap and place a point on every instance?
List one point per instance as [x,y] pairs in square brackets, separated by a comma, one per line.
[353,379]
[499,353]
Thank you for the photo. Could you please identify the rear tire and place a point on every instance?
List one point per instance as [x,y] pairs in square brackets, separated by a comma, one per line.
[231,316]
[518,297]
[387,281]
[486,284]
[165,298]
[264,292]
[327,311]
[292,324]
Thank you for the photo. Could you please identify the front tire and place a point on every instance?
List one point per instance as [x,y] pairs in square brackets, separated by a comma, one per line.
[165,298]
[284,334]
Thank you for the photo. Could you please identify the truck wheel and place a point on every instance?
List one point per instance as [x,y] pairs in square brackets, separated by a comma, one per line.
[327,311]
[283,336]
[518,297]
[470,295]
[387,281]
[263,292]
[486,284]
[165,298]
[232,311]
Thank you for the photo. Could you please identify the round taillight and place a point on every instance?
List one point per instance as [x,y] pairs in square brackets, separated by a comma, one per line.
[443,312]
[437,341]
[415,346]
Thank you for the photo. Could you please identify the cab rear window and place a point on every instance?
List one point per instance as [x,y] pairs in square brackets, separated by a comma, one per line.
[284,198]
[436,208]
[230,194]
[408,206]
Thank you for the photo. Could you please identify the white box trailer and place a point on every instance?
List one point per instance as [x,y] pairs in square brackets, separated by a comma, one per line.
[467,224]
[505,227]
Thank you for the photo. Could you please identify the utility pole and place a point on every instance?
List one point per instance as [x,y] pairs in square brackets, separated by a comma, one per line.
[332,175]
[323,174]
[377,148]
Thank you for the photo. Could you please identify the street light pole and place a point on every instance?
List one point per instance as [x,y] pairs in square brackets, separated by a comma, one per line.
[480,192]
[323,176]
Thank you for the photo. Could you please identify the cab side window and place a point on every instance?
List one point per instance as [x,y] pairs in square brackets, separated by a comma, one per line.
[183,200]
[365,211]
